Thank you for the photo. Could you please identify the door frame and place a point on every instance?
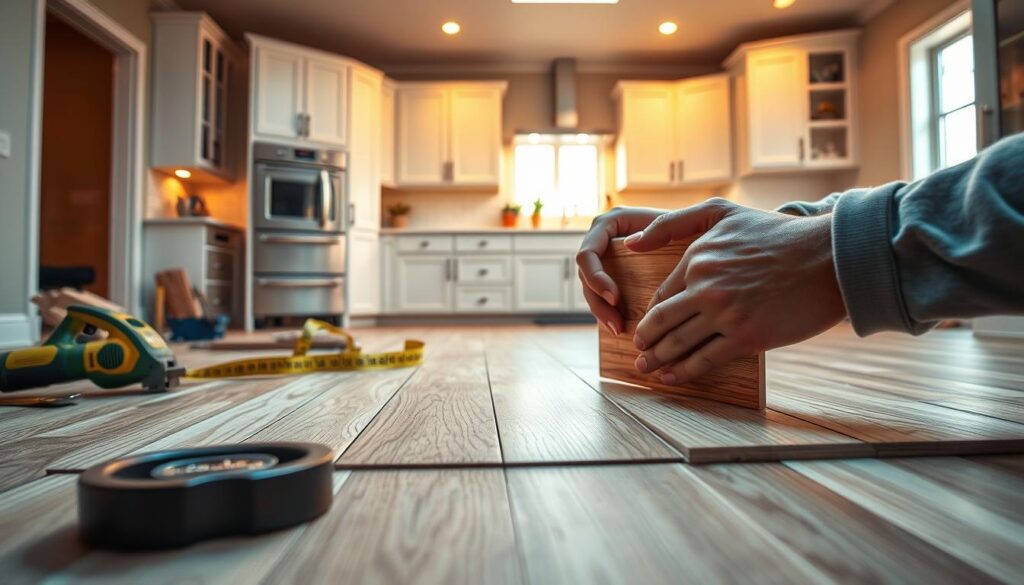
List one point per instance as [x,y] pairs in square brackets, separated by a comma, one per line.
[127,167]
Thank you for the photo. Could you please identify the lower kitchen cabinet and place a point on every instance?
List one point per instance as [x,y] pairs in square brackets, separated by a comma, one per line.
[363,273]
[422,284]
[542,283]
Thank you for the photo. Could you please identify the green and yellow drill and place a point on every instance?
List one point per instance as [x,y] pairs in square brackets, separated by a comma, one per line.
[132,352]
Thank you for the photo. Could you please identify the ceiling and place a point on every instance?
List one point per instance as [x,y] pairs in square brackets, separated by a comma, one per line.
[404,33]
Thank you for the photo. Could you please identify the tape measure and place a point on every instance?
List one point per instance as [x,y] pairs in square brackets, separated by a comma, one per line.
[352,359]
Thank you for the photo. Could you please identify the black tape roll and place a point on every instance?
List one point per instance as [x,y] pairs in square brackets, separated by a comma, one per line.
[174,498]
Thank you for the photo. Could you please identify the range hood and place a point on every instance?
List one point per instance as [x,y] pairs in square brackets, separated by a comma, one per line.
[567,117]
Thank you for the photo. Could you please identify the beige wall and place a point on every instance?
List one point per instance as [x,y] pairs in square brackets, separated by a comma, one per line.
[879,87]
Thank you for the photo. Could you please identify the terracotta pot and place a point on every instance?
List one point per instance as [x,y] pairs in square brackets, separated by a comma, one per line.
[509,220]
[535,220]
[400,221]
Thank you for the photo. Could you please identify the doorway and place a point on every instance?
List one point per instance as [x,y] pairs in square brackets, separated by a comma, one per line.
[76,152]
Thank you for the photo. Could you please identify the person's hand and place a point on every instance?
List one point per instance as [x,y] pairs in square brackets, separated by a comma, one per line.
[600,291]
[752,281]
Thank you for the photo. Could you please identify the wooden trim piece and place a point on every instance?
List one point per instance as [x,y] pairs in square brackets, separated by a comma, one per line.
[639,275]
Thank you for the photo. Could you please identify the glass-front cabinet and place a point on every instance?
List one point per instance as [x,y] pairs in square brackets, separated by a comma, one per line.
[999,66]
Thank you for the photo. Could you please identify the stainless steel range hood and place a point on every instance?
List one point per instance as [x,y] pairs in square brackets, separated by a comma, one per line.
[567,117]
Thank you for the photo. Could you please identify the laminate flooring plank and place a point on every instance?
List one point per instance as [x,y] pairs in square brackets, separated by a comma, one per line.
[641,524]
[99,439]
[895,426]
[443,526]
[972,512]
[546,414]
[442,416]
[39,543]
[708,432]
[847,543]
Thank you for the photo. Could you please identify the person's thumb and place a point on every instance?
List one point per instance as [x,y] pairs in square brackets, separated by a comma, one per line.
[681,224]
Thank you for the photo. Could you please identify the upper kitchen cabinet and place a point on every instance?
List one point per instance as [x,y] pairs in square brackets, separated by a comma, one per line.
[673,133]
[193,63]
[795,102]
[448,134]
[298,94]
[387,133]
[364,138]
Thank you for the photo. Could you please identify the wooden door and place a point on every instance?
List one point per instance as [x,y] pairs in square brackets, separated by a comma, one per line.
[777,101]
[647,136]
[704,130]
[422,142]
[423,284]
[475,136]
[541,283]
[325,101]
[278,99]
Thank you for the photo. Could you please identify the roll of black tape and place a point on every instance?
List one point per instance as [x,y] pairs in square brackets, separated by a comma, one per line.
[174,498]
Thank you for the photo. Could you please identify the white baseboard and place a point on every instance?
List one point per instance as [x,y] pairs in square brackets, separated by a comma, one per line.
[17,330]
[999,327]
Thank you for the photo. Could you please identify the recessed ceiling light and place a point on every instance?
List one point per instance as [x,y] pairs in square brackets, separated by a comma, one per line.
[780,4]
[182,173]
[451,28]
[565,1]
[668,28]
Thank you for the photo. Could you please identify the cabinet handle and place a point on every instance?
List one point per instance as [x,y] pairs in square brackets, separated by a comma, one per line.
[306,130]
[424,244]
[351,214]
[672,172]
[568,268]
[300,240]
[299,283]
[301,121]
[447,269]
[481,301]
[984,115]
[482,272]
[482,244]
[682,169]
[800,144]
[455,270]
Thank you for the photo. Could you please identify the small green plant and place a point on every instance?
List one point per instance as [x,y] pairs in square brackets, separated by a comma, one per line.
[537,206]
[513,208]
[396,209]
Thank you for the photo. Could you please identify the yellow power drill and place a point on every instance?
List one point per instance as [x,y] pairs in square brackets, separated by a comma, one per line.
[132,352]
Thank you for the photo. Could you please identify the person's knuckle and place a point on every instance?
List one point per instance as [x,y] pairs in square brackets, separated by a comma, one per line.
[656,316]
[581,256]
[720,203]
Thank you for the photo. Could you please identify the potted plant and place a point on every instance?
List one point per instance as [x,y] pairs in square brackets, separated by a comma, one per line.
[399,213]
[510,215]
[535,219]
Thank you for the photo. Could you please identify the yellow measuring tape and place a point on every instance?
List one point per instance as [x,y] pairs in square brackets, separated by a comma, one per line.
[351,359]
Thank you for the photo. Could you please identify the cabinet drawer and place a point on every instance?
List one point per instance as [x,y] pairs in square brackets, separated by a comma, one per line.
[221,237]
[548,243]
[424,244]
[285,295]
[483,243]
[220,298]
[483,299]
[220,265]
[283,253]
[483,269]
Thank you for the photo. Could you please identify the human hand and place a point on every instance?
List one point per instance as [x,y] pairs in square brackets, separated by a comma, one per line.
[600,291]
[752,281]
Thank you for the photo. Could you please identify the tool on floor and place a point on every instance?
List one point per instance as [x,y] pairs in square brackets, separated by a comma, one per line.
[351,358]
[40,401]
[131,353]
[175,498]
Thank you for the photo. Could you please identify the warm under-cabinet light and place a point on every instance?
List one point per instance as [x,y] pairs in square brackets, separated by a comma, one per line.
[668,28]
[182,174]
[451,28]
[780,4]
[565,1]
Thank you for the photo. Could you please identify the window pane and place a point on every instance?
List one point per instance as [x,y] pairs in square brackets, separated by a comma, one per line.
[535,174]
[577,180]
[956,75]
[959,137]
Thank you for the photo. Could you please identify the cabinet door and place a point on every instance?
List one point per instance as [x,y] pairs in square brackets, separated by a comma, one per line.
[646,136]
[364,149]
[422,136]
[387,135]
[777,101]
[578,303]
[278,99]
[423,284]
[541,283]
[704,127]
[363,276]
[475,138]
[325,101]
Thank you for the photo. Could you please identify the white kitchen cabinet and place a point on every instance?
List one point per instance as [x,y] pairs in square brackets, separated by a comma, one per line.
[795,103]
[673,133]
[423,284]
[193,68]
[449,134]
[364,148]
[541,283]
[363,276]
[387,133]
[298,94]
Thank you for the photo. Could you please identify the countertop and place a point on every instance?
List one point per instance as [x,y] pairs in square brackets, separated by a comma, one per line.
[413,231]
[210,221]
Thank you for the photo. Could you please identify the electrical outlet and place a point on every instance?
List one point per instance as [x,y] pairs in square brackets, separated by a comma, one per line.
[5,144]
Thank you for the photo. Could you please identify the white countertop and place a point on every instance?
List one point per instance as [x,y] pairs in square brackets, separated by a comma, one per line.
[192,220]
[413,231]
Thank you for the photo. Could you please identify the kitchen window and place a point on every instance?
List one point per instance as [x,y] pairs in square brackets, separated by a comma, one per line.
[954,131]
[563,171]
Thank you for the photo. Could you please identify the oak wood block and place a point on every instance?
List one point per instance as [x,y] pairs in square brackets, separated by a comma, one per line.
[638,276]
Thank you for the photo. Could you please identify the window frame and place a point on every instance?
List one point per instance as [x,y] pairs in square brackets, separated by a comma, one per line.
[557,141]
[938,116]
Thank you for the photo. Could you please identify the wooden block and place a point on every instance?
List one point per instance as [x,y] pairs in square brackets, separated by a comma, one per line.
[181,301]
[639,276]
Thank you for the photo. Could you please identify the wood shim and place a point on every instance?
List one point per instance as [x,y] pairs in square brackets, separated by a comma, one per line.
[638,276]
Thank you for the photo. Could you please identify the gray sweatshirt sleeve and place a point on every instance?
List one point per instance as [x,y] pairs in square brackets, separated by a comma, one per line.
[950,245]
[810,208]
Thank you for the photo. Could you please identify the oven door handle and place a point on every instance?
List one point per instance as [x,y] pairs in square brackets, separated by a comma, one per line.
[326,197]
[300,240]
[299,282]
